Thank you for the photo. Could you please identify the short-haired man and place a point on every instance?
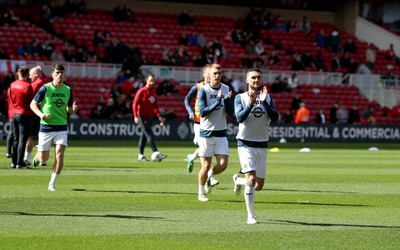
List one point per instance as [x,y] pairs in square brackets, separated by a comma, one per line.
[254,110]
[53,102]
[215,102]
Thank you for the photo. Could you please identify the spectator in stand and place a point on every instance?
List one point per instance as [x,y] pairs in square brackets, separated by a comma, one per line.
[293,81]
[259,48]
[8,79]
[350,46]
[81,55]
[237,36]
[183,39]
[319,61]
[99,39]
[342,114]
[3,53]
[294,26]
[181,56]
[20,95]
[185,18]
[296,101]
[307,60]
[116,51]
[352,66]
[333,113]
[69,53]
[57,56]
[321,40]
[305,25]
[192,39]
[166,87]
[367,114]
[34,48]
[201,39]
[287,117]
[354,115]
[98,112]
[277,86]
[22,50]
[250,48]
[297,64]
[9,19]
[321,117]
[123,14]
[302,114]
[127,86]
[335,63]
[47,48]
[345,61]
[273,59]
[370,56]
[335,41]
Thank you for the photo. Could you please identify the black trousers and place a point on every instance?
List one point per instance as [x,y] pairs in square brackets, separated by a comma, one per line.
[21,131]
[145,124]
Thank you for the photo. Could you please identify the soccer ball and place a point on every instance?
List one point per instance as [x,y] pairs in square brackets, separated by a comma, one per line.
[156,156]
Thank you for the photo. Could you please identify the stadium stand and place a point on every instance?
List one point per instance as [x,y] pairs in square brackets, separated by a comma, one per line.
[154,32]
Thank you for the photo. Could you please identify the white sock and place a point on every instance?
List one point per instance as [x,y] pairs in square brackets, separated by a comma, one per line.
[249,193]
[241,181]
[202,190]
[27,156]
[53,179]
[210,173]
[193,157]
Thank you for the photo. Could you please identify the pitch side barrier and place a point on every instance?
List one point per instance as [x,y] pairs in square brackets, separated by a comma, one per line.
[176,130]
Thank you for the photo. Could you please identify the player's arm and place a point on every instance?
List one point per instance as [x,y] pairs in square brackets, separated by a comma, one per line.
[241,112]
[35,103]
[229,106]
[192,93]
[269,105]
[202,103]
[135,105]
[72,107]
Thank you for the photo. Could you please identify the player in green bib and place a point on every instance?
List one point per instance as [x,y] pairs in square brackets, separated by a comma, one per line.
[52,103]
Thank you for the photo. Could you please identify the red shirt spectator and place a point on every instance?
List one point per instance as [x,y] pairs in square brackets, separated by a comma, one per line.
[145,103]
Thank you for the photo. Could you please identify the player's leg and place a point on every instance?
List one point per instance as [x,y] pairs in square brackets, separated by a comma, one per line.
[249,194]
[191,157]
[221,152]
[10,142]
[206,153]
[61,144]
[28,150]
[142,140]
[45,141]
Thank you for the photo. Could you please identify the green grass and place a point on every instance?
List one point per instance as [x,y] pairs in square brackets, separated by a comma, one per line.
[338,196]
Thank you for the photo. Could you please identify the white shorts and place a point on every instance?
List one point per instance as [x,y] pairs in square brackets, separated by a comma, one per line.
[196,129]
[253,159]
[46,139]
[211,146]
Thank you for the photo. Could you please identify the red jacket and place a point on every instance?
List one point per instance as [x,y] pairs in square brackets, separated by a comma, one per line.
[36,85]
[145,103]
[20,95]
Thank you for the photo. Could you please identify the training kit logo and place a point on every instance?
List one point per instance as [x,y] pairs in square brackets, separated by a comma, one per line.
[59,103]
[257,112]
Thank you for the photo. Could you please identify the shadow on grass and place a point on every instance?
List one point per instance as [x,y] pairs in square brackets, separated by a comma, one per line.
[115,216]
[304,203]
[309,191]
[289,222]
[129,192]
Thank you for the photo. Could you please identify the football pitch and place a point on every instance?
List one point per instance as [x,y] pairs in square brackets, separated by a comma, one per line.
[340,196]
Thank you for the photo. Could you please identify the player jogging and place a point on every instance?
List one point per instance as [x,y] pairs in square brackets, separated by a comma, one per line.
[194,114]
[215,102]
[52,103]
[254,110]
